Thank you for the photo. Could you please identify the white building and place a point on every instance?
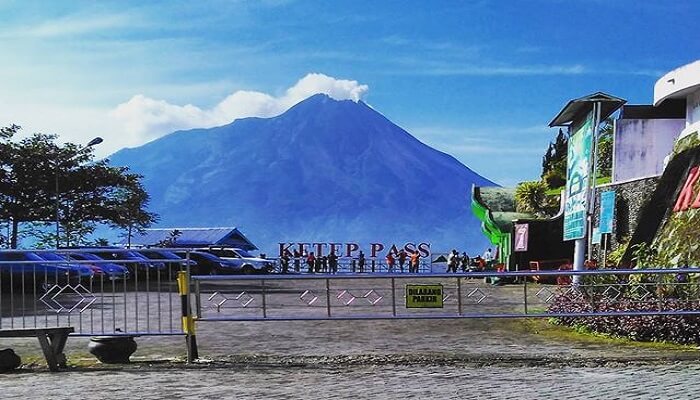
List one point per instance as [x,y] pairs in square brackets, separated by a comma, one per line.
[682,84]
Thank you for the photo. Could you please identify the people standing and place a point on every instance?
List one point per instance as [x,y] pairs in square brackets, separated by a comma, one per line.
[318,264]
[297,261]
[284,262]
[311,262]
[488,257]
[402,259]
[452,260]
[390,260]
[415,262]
[361,261]
[464,262]
[333,262]
[480,263]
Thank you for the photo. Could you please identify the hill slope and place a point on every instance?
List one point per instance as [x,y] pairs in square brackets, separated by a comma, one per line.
[325,170]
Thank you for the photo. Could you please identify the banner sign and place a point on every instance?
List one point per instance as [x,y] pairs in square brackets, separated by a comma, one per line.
[352,249]
[424,296]
[595,238]
[607,211]
[521,235]
[686,195]
[577,168]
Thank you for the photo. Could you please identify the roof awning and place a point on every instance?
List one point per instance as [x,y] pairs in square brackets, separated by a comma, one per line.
[194,237]
[577,109]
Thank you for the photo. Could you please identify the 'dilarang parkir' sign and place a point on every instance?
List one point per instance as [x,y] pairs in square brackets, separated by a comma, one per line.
[424,296]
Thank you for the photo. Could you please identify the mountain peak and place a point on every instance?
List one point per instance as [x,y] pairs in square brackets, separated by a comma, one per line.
[322,106]
[323,101]
[324,170]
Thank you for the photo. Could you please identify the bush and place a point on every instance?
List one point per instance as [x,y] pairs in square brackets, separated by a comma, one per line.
[554,178]
[531,196]
[682,329]
[615,257]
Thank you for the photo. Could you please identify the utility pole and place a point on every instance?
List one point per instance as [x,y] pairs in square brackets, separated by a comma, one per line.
[58,165]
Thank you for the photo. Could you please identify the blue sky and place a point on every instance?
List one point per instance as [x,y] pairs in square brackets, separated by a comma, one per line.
[478,79]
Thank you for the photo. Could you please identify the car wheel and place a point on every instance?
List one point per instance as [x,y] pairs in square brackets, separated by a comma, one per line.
[248,270]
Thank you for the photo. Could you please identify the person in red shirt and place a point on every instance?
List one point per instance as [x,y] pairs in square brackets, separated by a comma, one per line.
[481,263]
[310,261]
[402,259]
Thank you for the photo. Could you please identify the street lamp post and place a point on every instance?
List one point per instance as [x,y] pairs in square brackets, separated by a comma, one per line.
[91,143]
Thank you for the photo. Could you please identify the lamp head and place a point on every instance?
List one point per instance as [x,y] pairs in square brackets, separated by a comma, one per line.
[94,142]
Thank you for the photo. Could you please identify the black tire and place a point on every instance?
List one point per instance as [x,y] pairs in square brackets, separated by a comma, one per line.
[248,269]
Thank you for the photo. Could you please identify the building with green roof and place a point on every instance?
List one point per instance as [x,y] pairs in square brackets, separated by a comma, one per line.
[495,208]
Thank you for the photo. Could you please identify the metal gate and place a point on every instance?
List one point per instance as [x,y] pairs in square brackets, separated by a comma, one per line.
[462,295]
[116,293]
[143,299]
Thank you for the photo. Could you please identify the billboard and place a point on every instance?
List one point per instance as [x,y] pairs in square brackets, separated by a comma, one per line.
[577,177]
[596,236]
[521,236]
[607,211]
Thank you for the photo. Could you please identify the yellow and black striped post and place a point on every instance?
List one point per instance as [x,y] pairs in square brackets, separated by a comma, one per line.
[187,319]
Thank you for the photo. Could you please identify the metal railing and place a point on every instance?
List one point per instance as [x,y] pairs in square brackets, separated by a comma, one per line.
[145,300]
[464,295]
[115,294]
[351,265]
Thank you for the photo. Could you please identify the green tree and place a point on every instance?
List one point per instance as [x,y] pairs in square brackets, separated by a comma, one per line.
[171,240]
[89,192]
[6,133]
[72,233]
[604,149]
[554,162]
[25,189]
[531,196]
[129,205]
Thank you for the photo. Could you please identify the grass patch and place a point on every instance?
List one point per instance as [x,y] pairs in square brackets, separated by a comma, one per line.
[549,329]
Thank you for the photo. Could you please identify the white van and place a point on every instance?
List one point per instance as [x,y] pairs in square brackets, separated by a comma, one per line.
[248,263]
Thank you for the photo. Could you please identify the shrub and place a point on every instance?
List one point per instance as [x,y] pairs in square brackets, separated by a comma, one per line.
[682,329]
[615,257]
[554,178]
[531,196]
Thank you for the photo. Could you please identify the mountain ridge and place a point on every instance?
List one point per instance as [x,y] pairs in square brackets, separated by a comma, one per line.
[323,170]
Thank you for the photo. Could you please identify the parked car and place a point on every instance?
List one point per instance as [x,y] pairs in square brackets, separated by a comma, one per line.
[131,259]
[62,261]
[39,265]
[248,263]
[175,265]
[209,264]
[109,269]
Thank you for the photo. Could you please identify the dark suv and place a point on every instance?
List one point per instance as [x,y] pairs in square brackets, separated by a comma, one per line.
[209,264]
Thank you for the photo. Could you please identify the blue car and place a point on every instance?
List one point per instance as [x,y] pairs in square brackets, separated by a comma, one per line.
[82,270]
[175,264]
[39,265]
[130,259]
[109,269]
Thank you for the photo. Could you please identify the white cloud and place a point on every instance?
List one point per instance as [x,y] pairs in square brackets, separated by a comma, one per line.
[144,119]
